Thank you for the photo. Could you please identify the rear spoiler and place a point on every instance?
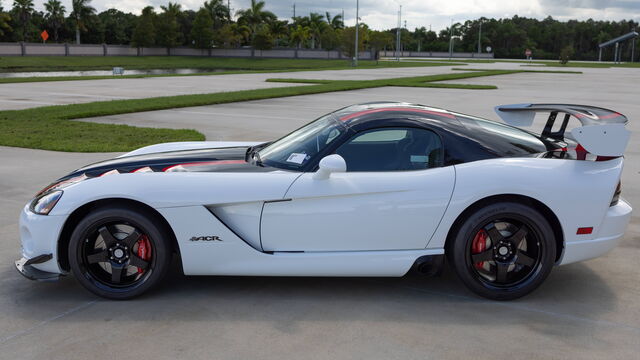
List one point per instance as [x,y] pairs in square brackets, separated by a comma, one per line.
[602,132]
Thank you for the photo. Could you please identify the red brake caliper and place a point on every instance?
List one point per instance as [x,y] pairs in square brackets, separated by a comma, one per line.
[144,250]
[479,245]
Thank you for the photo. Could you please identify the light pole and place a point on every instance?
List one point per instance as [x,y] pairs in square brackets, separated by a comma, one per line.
[480,38]
[355,59]
[633,46]
[451,40]
[398,33]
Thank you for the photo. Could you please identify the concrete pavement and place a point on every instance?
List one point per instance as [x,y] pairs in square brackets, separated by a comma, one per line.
[25,95]
[589,310]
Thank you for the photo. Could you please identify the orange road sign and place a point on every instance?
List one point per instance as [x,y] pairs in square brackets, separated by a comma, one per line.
[44,35]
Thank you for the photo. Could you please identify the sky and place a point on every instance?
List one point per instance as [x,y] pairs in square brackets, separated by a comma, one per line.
[383,14]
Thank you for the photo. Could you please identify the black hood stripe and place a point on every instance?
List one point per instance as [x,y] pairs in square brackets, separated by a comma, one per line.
[200,160]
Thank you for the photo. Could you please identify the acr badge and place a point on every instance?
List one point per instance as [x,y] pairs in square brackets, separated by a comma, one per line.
[205,238]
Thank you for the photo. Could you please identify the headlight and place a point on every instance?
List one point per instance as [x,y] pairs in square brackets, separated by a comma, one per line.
[62,184]
[44,204]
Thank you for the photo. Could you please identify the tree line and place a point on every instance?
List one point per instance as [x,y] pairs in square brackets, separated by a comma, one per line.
[214,25]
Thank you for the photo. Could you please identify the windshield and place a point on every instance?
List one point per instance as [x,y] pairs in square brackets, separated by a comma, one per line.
[294,151]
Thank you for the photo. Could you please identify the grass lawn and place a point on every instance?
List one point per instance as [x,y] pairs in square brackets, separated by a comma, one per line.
[542,63]
[49,127]
[79,63]
[526,71]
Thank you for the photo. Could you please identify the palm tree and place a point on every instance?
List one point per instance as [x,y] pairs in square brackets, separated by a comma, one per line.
[316,26]
[299,34]
[23,10]
[219,12]
[81,12]
[168,29]
[54,16]
[4,23]
[278,29]
[254,16]
[242,33]
[336,22]
[172,8]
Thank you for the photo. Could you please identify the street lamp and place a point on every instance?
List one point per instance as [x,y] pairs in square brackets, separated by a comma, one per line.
[480,38]
[355,59]
[398,33]
[451,40]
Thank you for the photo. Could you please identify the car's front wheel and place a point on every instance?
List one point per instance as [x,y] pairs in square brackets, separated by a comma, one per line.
[119,252]
[503,251]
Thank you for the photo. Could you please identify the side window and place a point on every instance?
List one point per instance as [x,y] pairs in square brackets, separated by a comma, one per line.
[392,149]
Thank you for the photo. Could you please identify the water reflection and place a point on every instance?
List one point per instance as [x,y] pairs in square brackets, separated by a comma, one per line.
[106,72]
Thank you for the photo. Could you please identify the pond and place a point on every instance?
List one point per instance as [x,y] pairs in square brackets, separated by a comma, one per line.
[106,72]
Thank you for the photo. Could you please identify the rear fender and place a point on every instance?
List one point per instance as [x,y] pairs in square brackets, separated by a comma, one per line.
[577,192]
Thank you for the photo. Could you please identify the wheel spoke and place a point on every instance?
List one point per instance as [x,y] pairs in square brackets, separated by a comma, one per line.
[132,238]
[524,259]
[501,272]
[102,256]
[519,236]
[486,255]
[494,235]
[117,272]
[136,261]
[107,236]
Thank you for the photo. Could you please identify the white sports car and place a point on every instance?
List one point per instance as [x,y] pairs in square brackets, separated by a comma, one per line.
[374,189]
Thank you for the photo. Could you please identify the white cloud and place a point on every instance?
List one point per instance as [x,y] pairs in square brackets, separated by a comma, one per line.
[382,14]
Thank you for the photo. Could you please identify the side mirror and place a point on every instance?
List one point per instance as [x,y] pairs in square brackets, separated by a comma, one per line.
[330,164]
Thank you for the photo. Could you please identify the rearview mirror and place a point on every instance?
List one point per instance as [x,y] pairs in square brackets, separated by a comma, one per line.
[330,164]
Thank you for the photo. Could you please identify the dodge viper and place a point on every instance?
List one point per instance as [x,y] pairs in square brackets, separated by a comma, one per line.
[376,189]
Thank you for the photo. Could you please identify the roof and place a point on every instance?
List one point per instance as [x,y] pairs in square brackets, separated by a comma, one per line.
[624,37]
[375,109]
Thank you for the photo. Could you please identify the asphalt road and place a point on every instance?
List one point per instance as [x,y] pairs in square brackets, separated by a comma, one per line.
[589,310]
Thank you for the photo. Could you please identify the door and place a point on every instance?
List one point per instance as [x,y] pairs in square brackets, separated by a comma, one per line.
[392,197]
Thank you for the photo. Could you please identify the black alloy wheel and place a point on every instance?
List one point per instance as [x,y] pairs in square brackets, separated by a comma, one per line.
[119,253]
[503,251]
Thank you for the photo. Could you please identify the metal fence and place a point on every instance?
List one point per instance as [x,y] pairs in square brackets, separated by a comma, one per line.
[437,54]
[37,49]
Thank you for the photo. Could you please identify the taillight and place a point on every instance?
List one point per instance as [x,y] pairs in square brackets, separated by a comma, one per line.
[616,194]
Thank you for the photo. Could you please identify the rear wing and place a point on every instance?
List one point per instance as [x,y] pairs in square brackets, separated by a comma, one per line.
[602,133]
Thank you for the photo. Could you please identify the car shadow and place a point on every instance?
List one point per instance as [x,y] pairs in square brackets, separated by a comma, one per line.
[287,301]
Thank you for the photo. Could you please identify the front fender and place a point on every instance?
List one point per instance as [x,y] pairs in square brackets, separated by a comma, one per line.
[173,189]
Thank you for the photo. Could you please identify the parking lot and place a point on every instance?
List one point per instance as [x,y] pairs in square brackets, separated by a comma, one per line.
[589,310]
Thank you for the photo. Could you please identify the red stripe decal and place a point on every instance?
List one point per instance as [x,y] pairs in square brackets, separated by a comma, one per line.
[581,152]
[204,163]
[111,172]
[610,116]
[142,169]
[373,111]
[600,117]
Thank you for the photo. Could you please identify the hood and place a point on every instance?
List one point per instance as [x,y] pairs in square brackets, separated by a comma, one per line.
[231,159]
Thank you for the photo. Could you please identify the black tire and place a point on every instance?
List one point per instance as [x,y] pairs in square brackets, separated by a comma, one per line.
[105,252]
[520,256]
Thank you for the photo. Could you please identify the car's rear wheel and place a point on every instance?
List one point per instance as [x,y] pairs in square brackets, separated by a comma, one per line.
[119,252]
[503,251]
